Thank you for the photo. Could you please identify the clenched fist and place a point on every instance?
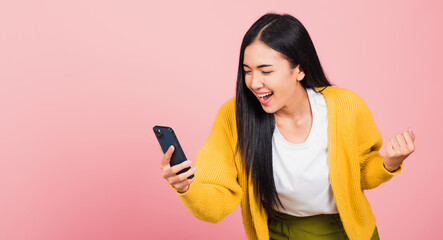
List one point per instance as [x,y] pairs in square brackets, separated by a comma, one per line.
[398,149]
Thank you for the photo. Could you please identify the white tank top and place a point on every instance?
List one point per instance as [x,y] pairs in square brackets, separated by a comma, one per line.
[301,171]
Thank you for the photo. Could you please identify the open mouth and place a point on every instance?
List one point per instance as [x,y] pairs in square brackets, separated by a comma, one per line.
[264,98]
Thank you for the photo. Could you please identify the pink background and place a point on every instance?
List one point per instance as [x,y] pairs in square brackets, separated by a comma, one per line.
[83,83]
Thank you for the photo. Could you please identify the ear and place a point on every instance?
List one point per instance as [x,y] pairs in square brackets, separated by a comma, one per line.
[299,73]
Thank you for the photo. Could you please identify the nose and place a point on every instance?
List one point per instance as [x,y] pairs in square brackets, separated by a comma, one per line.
[257,82]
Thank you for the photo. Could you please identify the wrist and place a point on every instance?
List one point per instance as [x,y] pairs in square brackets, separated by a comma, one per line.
[390,168]
[182,190]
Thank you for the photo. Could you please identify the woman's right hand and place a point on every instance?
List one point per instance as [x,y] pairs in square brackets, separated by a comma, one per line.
[179,182]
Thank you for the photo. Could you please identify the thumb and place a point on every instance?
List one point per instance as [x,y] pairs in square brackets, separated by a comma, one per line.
[412,134]
[167,157]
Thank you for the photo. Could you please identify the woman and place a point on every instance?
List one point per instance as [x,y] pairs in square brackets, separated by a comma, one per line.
[295,151]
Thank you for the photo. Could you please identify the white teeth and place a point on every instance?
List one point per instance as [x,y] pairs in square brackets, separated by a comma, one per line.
[263,95]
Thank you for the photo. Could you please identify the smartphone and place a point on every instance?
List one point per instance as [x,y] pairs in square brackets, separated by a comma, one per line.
[166,137]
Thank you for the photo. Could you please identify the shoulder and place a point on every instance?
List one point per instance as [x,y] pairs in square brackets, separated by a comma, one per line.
[341,96]
[228,107]
[333,91]
[229,104]
[345,102]
[226,112]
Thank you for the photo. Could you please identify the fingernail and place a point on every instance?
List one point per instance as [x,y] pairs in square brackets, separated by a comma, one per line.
[194,169]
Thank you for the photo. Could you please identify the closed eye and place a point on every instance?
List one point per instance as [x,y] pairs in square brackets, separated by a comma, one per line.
[246,72]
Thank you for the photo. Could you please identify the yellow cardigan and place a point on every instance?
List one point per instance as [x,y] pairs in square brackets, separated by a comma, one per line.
[354,162]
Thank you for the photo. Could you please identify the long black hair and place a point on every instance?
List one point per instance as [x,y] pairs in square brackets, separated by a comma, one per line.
[285,34]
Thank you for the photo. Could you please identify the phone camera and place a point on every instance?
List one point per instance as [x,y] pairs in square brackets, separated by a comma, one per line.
[158,134]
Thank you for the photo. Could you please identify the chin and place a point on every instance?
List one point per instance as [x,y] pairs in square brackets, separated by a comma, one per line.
[269,110]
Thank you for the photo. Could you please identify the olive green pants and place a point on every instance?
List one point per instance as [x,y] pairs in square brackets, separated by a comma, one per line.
[318,227]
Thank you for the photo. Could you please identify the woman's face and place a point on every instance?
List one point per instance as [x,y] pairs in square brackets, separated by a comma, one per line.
[270,77]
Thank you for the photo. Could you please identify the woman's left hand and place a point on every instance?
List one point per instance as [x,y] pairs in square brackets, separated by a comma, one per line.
[398,149]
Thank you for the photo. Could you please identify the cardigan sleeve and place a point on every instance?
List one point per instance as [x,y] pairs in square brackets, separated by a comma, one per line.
[372,171]
[215,191]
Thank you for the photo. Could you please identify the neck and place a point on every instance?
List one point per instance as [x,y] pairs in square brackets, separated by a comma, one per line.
[297,109]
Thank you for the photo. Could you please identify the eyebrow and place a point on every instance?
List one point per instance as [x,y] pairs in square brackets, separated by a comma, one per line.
[259,66]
